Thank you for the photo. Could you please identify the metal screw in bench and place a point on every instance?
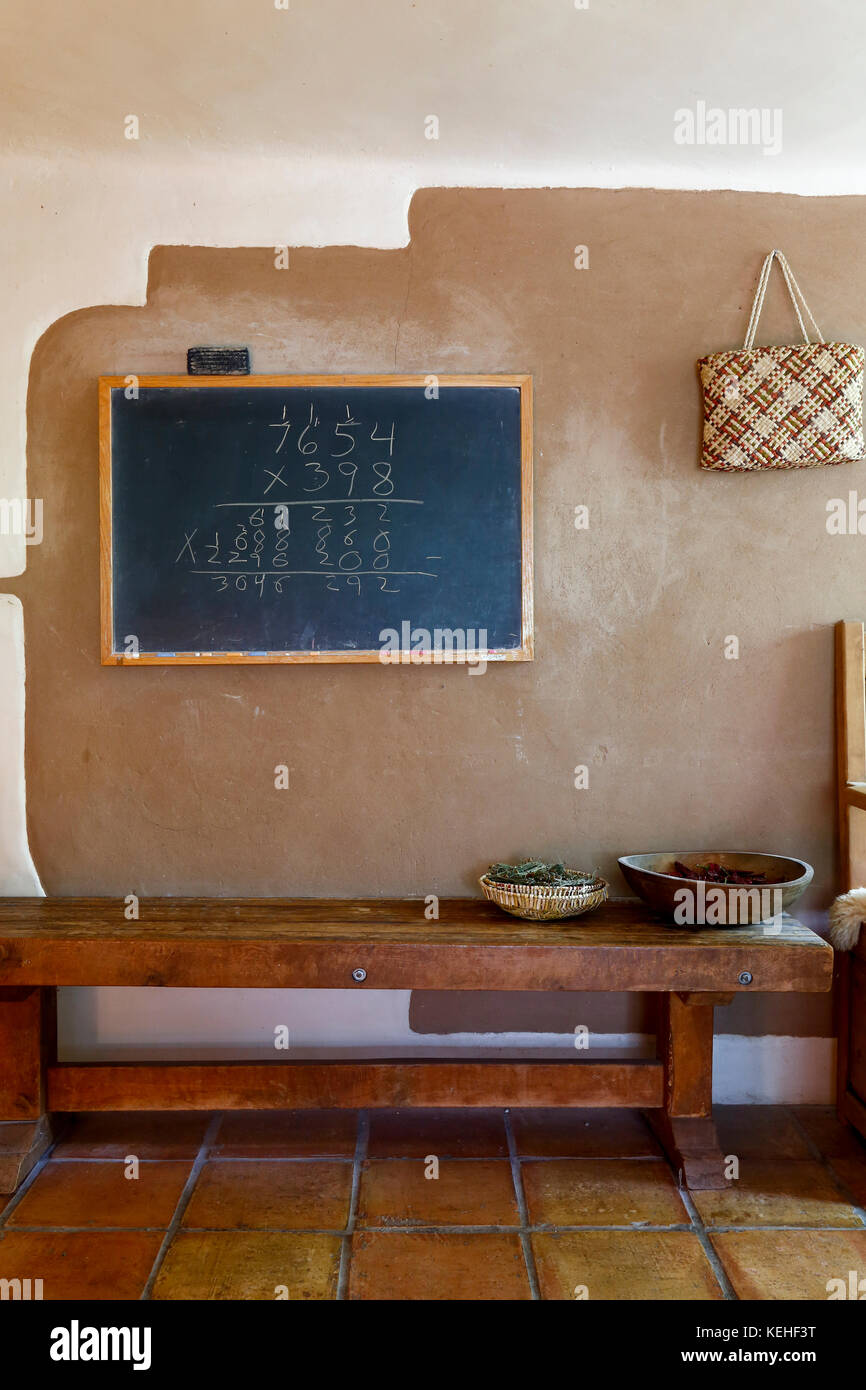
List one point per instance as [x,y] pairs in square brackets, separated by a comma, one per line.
[361,975]
[745,977]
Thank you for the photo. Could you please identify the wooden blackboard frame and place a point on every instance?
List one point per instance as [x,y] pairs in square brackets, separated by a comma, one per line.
[109,657]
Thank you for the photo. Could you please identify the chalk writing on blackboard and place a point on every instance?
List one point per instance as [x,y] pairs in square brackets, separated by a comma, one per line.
[343,534]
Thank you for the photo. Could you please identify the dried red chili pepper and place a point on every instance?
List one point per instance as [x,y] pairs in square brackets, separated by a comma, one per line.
[715,873]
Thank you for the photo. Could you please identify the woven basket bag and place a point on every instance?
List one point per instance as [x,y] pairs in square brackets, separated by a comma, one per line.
[782,407]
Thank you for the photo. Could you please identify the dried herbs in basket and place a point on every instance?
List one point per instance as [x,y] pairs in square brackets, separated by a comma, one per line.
[535,873]
[542,892]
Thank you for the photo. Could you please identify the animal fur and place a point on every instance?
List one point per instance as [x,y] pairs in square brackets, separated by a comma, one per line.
[846,918]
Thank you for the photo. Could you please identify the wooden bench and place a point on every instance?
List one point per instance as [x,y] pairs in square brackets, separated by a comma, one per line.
[317,944]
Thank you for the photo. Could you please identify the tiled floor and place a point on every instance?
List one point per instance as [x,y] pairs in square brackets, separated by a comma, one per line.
[435,1205]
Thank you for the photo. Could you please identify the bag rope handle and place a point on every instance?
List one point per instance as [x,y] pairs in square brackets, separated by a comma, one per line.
[793,290]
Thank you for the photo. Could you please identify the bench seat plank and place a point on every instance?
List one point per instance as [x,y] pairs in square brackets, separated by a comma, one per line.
[317,943]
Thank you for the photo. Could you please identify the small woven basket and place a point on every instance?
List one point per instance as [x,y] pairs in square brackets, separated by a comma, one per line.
[543,902]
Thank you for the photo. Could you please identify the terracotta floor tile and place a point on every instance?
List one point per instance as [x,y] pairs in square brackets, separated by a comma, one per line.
[287,1134]
[445,1133]
[624,1265]
[783,1193]
[833,1138]
[145,1133]
[467,1192]
[789,1264]
[402,1265]
[583,1134]
[759,1131]
[98,1194]
[852,1173]
[605,1192]
[81,1264]
[249,1265]
[248,1195]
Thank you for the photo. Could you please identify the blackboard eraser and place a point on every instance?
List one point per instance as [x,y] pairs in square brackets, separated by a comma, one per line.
[218,361]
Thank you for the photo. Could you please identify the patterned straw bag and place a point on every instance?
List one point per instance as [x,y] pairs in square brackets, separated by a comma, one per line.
[782,407]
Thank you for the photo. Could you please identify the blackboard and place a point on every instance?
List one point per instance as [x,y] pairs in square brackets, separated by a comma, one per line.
[315,519]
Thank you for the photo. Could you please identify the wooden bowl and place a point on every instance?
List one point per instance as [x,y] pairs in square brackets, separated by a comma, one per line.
[545,902]
[652,877]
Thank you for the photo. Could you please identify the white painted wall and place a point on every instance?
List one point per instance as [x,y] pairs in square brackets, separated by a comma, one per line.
[305,125]
[17,874]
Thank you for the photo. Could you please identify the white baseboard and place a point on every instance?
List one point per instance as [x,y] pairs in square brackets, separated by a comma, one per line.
[773,1070]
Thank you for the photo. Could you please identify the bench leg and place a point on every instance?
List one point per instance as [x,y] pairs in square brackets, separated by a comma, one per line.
[27,1042]
[685,1126]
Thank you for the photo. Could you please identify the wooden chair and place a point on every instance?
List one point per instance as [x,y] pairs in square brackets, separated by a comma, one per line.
[851,965]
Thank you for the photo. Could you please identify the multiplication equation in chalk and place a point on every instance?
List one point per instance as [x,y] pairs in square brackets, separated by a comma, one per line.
[325,501]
